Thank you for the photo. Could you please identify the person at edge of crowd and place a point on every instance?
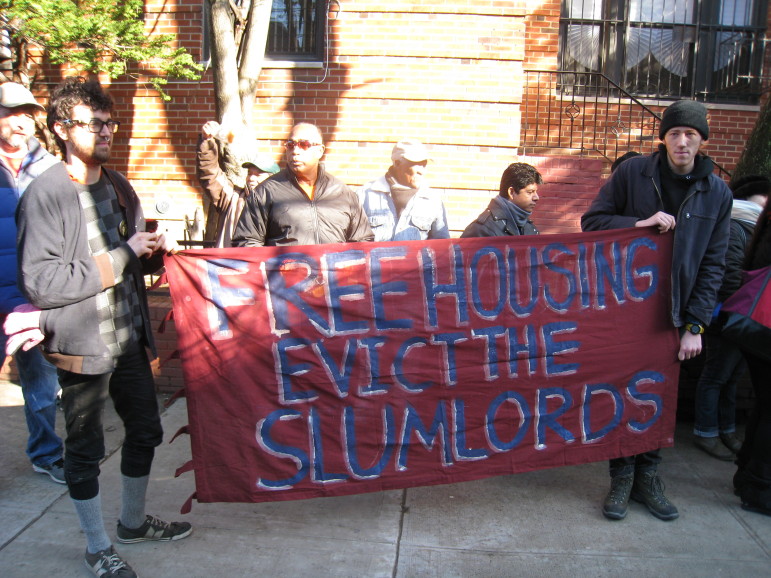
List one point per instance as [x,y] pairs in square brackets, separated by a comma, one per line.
[752,481]
[83,252]
[21,160]
[622,158]
[302,204]
[227,199]
[509,212]
[666,190]
[400,206]
[714,426]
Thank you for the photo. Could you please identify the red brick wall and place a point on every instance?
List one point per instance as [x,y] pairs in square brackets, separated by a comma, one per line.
[447,72]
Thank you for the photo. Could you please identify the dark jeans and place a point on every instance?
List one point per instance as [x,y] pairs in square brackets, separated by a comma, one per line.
[638,464]
[755,455]
[132,390]
[716,391]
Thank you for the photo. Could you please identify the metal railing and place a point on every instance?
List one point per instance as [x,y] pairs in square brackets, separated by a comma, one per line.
[604,121]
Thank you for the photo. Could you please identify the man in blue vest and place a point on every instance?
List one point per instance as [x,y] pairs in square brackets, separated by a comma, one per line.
[21,160]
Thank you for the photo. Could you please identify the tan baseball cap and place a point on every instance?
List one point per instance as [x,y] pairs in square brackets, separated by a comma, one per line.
[14,95]
[411,150]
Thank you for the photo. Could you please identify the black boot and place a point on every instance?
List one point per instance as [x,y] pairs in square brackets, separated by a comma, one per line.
[756,494]
[617,500]
[741,478]
[648,489]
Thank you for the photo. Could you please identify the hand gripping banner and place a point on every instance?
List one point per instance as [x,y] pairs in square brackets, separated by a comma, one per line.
[339,369]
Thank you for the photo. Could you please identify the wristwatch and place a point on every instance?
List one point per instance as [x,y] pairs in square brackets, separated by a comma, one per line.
[694,328]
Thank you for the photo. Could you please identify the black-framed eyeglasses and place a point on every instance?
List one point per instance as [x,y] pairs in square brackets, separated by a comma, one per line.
[94,125]
[303,144]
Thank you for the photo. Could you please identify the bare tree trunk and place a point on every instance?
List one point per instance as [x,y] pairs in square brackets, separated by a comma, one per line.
[253,54]
[225,62]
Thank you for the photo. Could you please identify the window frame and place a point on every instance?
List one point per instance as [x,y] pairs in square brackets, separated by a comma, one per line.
[737,82]
[308,59]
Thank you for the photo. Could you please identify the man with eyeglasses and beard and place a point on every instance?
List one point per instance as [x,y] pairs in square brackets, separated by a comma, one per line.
[302,204]
[83,251]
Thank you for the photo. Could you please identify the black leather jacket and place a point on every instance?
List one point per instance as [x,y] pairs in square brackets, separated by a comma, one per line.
[280,213]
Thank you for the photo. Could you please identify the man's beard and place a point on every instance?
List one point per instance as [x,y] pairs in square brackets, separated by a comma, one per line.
[93,156]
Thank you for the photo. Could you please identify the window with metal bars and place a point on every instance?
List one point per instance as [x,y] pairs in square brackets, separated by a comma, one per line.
[296,30]
[711,50]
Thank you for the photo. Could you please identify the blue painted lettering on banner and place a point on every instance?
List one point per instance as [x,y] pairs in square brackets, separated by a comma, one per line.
[336,292]
[286,369]
[499,269]
[281,295]
[382,288]
[275,448]
[351,448]
[221,297]
[449,431]
[456,288]
[526,417]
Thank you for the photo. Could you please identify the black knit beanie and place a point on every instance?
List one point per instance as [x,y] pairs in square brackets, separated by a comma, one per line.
[749,185]
[685,113]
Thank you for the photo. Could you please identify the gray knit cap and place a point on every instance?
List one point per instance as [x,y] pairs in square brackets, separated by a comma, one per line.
[685,113]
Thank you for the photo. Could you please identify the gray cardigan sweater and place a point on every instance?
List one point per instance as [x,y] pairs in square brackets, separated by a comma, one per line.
[58,274]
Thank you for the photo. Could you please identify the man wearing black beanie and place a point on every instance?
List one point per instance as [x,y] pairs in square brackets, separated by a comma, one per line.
[676,190]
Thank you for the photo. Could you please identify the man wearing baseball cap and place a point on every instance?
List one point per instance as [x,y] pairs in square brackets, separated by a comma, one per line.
[21,160]
[400,206]
[675,190]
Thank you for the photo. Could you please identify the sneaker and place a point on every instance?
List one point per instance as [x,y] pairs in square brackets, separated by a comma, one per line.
[107,563]
[154,529]
[714,447]
[617,500]
[648,489]
[55,471]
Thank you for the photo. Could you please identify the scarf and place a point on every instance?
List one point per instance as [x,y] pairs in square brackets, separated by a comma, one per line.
[400,194]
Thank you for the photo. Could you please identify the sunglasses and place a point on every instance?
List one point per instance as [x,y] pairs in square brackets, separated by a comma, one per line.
[303,144]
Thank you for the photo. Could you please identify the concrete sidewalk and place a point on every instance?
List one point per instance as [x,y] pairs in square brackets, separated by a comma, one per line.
[545,523]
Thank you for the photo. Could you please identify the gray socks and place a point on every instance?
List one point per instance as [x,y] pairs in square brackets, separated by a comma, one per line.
[132,514]
[90,514]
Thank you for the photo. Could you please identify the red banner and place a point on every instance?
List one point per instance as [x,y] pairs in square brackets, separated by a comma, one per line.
[339,369]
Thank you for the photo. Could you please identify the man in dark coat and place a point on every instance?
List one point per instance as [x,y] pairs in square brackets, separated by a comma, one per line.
[673,189]
[714,426]
[509,212]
